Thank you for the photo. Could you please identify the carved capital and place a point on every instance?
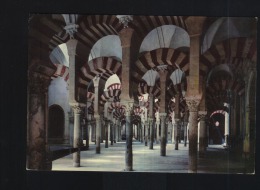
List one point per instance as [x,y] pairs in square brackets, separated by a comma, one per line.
[97,116]
[71,26]
[150,120]
[125,19]
[77,107]
[192,103]
[202,115]
[71,29]
[38,83]
[128,106]
[163,115]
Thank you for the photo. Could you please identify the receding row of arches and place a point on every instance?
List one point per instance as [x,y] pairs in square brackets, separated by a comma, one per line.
[160,64]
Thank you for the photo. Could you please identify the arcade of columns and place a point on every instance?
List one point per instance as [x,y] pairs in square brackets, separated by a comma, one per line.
[147,121]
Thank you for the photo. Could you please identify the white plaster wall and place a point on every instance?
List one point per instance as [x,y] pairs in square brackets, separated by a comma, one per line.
[106,47]
[58,94]
[167,36]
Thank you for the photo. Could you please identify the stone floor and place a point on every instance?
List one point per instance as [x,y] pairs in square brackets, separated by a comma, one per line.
[216,160]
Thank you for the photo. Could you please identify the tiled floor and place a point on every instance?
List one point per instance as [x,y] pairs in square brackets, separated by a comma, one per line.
[216,160]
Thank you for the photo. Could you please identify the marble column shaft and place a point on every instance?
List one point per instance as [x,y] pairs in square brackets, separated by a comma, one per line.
[146,133]
[163,134]
[193,133]
[106,126]
[98,134]
[203,134]
[77,140]
[227,125]
[129,150]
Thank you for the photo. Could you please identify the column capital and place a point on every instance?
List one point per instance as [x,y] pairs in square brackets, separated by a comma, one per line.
[226,104]
[193,103]
[77,107]
[96,80]
[124,19]
[202,115]
[128,106]
[96,116]
[150,120]
[38,83]
[71,29]
[162,114]
[71,26]
[163,71]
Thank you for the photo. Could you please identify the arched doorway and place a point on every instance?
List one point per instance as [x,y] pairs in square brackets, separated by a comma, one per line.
[56,124]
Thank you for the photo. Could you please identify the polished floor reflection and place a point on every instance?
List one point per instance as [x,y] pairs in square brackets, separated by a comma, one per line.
[216,160]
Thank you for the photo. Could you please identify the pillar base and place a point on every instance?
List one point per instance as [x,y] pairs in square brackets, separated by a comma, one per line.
[163,154]
[128,169]
[97,150]
[192,171]
[76,164]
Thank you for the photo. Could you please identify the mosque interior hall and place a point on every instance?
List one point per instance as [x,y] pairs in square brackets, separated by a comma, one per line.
[133,93]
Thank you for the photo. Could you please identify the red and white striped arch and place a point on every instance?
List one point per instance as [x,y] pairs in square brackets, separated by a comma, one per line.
[105,66]
[218,112]
[158,57]
[113,91]
[230,51]
[143,88]
[145,24]
[62,71]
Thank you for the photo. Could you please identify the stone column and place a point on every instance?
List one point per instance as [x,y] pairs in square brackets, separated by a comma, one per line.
[126,37]
[71,122]
[138,132]
[146,132]
[111,135]
[194,91]
[119,130]
[96,115]
[163,134]
[203,133]
[89,131]
[98,133]
[246,145]
[66,129]
[157,131]
[106,126]
[186,121]
[71,46]
[77,141]
[173,132]
[163,74]
[227,125]
[151,124]
[151,120]
[141,132]
[176,134]
[87,134]
[193,132]
[177,121]
[116,131]
[37,145]
[103,129]
[129,138]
